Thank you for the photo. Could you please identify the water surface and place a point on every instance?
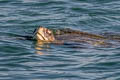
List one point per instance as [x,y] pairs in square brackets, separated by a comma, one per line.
[25,60]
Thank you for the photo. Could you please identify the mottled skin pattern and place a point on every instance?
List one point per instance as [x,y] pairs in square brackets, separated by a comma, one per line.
[68,35]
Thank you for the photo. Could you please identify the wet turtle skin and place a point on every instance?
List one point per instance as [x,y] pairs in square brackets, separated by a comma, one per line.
[69,35]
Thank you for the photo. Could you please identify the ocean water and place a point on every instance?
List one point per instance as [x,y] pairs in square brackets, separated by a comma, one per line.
[27,60]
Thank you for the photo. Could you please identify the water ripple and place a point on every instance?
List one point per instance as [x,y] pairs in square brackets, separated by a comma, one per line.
[22,59]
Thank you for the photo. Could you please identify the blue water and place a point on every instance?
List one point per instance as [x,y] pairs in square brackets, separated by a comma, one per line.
[27,60]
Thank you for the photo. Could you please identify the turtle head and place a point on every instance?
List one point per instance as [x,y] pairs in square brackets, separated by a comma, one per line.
[44,34]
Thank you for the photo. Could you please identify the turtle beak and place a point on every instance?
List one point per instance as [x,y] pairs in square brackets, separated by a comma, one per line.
[39,33]
[35,32]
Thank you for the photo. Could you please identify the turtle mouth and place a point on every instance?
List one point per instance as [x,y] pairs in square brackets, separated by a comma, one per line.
[36,32]
[42,35]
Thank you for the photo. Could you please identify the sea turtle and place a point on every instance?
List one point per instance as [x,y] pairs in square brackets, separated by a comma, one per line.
[61,36]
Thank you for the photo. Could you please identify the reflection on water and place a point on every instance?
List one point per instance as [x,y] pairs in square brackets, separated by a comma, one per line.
[41,46]
[39,49]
